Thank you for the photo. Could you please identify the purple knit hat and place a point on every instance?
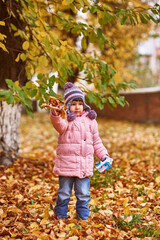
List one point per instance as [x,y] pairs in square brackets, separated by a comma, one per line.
[72,92]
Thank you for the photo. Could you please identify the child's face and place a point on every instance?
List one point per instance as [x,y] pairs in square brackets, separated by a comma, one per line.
[76,107]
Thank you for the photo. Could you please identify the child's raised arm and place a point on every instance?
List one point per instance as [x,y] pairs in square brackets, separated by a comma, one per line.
[58,123]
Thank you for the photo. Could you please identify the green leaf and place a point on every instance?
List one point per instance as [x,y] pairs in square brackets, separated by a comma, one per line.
[28,102]
[33,93]
[29,112]
[84,43]
[101,45]
[120,12]
[10,98]
[29,84]
[22,95]
[103,65]
[108,16]
[7,95]
[56,42]
[91,97]
[40,76]
[14,28]
[46,42]
[111,71]
[30,4]
[143,19]
[112,102]
[121,100]
[23,57]
[4,93]
[104,100]
[52,93]
[52,80]
[42,90]
[131,19]
[12,85]
[124,19]
[101,105]
[93,9]
[153,19]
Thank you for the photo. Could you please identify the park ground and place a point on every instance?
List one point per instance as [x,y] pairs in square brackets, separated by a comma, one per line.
[124,200]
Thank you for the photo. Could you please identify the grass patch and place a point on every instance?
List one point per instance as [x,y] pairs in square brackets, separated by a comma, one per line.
[107,177]
[124,225]
[136,223]
[148,232]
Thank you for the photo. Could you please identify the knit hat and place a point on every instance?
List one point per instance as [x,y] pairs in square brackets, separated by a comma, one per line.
[72,92]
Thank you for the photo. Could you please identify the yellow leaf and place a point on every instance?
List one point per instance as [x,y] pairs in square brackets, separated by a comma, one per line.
[35,188]
[157,209]
[64,43]
[13,209]
[127,211]
[16,83]
[17,58]
[46,213]
[43,221]
[1,213]
[65,3]
[3,47]
[158,180]
[43,61]
[34,225]
[2,23]
[73,238]
[34,206]
[101,14]
[104,212]
[95,225]
[81,2]
[36,233]
[69,226]
[25,45]
[144,210]
[125,202]
[9,170]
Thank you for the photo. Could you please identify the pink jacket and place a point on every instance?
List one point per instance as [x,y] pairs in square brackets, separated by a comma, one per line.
[78,141]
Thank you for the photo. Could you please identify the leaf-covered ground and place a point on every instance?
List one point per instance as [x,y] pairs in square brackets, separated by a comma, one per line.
[125,200]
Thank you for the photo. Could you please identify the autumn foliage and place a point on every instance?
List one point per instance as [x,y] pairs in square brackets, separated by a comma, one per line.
[124,200]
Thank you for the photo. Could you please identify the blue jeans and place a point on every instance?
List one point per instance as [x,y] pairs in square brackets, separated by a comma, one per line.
[81,188]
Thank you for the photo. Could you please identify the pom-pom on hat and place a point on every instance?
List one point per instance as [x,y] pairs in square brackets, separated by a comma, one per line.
[72,92]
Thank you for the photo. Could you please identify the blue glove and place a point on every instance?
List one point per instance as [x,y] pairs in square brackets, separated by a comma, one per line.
[104,164]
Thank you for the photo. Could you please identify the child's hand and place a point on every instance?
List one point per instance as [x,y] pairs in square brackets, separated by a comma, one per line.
[104,164]
[57,107]
[54,112]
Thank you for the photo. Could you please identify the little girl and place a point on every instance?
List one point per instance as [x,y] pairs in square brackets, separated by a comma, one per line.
[78,141]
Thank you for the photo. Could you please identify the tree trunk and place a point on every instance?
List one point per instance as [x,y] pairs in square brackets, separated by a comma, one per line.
[10,115]
[9,131]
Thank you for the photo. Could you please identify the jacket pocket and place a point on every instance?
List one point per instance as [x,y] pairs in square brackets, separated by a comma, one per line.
[67,163]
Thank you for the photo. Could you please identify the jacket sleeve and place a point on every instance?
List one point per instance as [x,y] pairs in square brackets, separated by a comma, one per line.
[58,123]
[99,148]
